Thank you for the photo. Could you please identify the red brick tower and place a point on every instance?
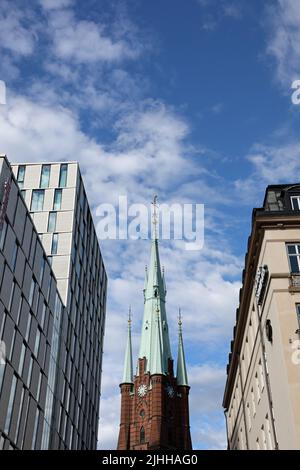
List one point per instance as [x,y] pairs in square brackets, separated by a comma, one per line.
[154,403]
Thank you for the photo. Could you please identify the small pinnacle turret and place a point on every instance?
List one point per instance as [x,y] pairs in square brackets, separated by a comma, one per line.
[128,368]
[181,375]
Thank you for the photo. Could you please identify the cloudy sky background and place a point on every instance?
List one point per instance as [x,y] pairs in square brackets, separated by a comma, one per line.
[187,99]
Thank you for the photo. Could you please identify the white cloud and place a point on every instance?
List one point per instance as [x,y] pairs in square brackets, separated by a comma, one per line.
[55,4]
[271,164]
[217,108]
[276,163]
[86,42]
[16,32]
[211,437]
[75,40]
[207,387]
[109,421]
[283,21]
[232,10]
[214,11]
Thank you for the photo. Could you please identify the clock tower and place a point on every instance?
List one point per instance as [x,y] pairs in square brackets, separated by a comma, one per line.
[154,402]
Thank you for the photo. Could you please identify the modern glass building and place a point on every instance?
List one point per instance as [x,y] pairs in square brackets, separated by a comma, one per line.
[52,318]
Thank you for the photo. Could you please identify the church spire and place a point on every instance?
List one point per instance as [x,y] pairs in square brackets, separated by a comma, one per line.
[128,369]
[155,299]
[181,375]
[154,403]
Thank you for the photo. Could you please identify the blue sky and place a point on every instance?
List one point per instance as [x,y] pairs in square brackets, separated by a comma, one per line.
[189,99]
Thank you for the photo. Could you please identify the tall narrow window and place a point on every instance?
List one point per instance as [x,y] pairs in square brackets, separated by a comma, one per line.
[12,344]
[37,201]
[28,327]
[57,199]
[298,316]
[19,310]
[52,222]
[3,235]
[294,258]
[37,343]
[22,357]
[295,202]
[21,176]
[14,256]
[142,435]
[42,269]
[29,372]
[2,370]
[54,244]
[13,285]
[31,292]
[43,315]
[36,422]
[39,386]
[19,413]
[63,175]
[45,176]
[10,404]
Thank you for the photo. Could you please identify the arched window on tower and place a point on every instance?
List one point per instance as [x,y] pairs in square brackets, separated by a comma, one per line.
[142,435]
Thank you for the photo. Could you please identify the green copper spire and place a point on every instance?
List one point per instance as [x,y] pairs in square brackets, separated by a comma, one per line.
[128,369]
[155,342]
[156,357]
[181,375]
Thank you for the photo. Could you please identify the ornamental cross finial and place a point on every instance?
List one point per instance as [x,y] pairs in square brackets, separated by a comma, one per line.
[179,318]
[155,216]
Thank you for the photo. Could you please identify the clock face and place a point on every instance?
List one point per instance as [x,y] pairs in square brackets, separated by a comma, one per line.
[142,390]
[170,391]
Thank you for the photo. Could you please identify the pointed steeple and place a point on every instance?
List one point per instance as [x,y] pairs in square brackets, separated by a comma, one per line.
[181,375]
[128,369]
[154,296]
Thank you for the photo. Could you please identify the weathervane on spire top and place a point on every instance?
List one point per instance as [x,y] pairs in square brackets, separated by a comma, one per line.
[155,216]
[179,318]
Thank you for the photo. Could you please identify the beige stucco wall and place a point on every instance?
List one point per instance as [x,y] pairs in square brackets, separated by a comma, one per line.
[284,375]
